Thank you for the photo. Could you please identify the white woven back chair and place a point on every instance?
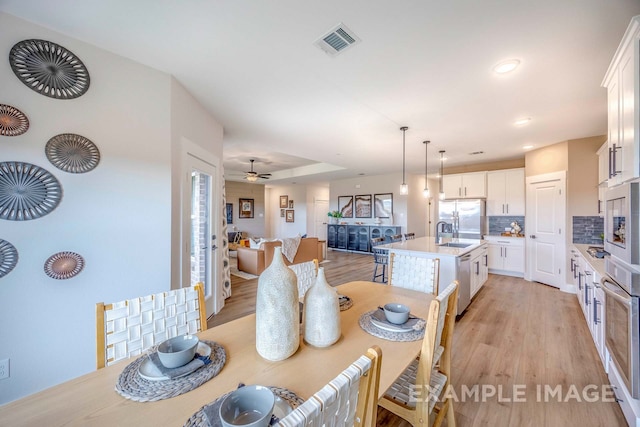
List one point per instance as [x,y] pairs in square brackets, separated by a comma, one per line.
[128,328]
[350,399]
[306,272]
[419,394]
[414,272]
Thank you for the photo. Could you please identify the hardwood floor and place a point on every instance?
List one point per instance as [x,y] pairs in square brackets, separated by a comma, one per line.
[522,353]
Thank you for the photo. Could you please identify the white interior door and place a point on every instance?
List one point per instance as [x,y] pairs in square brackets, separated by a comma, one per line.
[545,229]
[200,218]
[320,208]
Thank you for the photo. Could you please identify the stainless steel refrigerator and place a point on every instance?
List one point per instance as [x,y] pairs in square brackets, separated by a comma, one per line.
[466,217]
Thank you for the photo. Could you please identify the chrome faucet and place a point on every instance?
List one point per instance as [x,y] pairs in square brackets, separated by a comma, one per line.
[444,224]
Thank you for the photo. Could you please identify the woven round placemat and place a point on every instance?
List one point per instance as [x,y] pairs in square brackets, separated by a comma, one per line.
[345,302]
[365,323]
[132,386]
[199,419]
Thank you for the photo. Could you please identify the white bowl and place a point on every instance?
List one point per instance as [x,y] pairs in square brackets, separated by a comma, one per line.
[178,351]
[248,406]
[396,313]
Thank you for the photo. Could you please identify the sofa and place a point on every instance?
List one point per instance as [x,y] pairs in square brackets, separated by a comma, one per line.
[254,261]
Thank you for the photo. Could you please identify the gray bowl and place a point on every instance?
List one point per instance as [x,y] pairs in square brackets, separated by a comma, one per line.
[396,313]
[248,406]
[178,351]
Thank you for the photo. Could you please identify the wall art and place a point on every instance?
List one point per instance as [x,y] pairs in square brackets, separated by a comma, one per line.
[290,204]
[49,69]
[383,205]
[290,215]
[13,122]
[345,206]
[363,206]
[63,265]
[246,208]
[72,153]
[229,213]
[284,202]
[8,257]
[282,213]
[27,191]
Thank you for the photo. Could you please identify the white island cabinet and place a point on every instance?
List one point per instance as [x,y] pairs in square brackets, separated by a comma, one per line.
[457,262]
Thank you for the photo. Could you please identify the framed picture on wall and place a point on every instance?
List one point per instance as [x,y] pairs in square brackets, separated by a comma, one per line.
[383,205]
[345,206]
[246,208]
[363,206]
[290,204]
[290,215]
[282,213]
[284,202]
[229,213]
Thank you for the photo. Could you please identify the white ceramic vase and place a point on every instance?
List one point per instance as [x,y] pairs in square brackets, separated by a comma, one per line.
[321,313]
[277,311]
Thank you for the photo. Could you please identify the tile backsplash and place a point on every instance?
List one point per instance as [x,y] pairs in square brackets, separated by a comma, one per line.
[497,224]
[587,229]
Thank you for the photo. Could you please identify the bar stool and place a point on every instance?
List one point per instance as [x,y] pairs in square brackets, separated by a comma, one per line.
[380,258]
[409,236]
[396,238]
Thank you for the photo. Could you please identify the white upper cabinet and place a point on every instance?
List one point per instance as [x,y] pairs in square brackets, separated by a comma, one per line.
[622,83]
[603,163]
[470,185]
[505,192]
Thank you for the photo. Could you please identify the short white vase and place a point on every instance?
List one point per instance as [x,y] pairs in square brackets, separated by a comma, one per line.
[277,311]
[321,313]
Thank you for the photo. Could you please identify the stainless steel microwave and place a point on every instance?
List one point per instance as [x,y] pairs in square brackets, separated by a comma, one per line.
[621,218]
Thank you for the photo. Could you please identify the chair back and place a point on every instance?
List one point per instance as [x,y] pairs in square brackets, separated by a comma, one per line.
[128,328]
[409,236]
[396,237]
[414,272]
[306,272]
[350,399]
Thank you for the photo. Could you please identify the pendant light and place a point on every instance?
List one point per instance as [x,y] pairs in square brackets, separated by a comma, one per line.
[425,192]
[441,195]
[404,188]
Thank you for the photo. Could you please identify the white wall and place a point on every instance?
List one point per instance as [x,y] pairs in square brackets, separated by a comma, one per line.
[277,225]
[250,227]
[118,216]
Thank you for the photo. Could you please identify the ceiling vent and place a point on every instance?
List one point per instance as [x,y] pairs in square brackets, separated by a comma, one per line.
[338,39]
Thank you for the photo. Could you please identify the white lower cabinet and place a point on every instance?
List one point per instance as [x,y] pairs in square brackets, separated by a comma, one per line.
[479,268]
[506,255]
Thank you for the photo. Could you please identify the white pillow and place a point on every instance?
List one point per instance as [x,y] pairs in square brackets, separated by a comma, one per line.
[255,244]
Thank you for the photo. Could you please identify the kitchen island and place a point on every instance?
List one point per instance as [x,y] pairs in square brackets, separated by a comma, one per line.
[464,260]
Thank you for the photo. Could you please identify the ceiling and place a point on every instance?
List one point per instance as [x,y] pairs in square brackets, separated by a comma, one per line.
[306,116]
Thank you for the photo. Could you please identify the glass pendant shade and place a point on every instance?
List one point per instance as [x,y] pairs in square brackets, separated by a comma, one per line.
[404,188]
[425,192]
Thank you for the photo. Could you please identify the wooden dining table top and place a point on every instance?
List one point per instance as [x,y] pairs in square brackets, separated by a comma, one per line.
[91,399]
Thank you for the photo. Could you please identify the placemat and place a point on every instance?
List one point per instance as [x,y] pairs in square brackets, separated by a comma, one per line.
[132,386]
[345,302]
[199,419]
[365,323]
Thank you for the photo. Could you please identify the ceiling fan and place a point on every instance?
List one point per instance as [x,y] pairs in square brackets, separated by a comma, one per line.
[253,176]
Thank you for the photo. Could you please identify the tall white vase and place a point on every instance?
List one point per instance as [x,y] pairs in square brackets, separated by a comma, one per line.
[321,313]
[277,311]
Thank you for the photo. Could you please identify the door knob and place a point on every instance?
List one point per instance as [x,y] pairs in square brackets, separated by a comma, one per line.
[533,236]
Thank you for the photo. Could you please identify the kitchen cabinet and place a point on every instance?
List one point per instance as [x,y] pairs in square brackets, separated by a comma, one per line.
[506,255]
[505,192]
[621,82]
[470,185]
[479,268]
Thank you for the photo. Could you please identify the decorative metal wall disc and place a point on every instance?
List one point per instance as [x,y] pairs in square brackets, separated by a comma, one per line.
[72,153]
[13,122]
[27,191]
[8,257]
[64,265]
[49,69]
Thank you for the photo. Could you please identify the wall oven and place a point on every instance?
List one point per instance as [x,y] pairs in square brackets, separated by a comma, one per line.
[622,215]
[622,303]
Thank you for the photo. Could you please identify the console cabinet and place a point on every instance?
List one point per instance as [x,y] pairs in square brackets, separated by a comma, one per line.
[358,237]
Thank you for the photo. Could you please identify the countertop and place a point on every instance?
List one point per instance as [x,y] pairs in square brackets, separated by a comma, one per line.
[596,263]
[428,245]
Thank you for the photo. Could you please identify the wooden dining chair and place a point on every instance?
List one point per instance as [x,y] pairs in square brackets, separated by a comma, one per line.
[414,272]
[380,259]
[350,399]
[128,328]
[420,395]
[306,272]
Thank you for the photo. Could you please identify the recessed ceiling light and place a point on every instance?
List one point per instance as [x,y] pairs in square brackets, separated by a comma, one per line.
[522,121]
[527,147]
[506,66]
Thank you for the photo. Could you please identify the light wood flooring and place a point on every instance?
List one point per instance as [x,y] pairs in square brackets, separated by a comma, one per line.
[515,337]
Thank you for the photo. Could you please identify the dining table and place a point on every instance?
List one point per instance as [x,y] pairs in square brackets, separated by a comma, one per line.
[91,399]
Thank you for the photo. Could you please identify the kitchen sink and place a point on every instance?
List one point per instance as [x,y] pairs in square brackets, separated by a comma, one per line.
[455,245]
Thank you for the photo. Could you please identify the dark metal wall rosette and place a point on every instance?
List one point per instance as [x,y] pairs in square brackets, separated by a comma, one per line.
[49,69]
[13,122]
[8,257]
[27,191]
[72,153]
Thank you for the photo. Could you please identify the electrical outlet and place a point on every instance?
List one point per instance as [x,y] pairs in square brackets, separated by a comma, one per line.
[4,369]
